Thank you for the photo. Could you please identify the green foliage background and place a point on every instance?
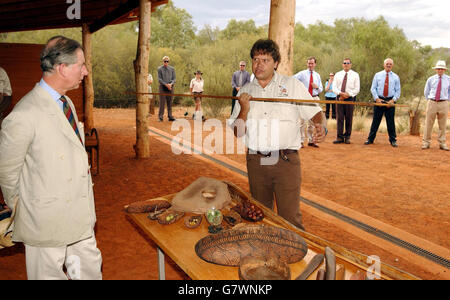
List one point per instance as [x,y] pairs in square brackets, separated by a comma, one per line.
[217,53]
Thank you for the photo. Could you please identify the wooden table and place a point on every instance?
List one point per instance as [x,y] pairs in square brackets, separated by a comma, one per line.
[178,242]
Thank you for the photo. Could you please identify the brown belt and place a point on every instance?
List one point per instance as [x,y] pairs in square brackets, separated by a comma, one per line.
[268,154]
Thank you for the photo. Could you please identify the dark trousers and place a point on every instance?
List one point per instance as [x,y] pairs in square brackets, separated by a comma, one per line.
[163,100]
[233,101]
[345,119]
[282,179]
[330,106]
[389,113]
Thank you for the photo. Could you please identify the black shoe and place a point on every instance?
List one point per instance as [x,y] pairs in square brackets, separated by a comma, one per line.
[171,119]
[313,145]
[368,142]
[347,140]
[338,141]
[186,114]
[160,120]
[394,144]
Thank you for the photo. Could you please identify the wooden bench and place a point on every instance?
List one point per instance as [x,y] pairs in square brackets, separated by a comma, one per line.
[92,144]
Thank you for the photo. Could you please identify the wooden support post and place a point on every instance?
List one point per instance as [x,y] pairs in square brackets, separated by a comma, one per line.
[281,30]
[88,81]
[142,147]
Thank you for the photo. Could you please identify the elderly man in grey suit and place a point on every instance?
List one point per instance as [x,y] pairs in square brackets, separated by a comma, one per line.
[44,172]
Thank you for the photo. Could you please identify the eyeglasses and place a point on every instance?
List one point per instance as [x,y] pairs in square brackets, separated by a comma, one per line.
[242,65]
[166,61]
[346,63]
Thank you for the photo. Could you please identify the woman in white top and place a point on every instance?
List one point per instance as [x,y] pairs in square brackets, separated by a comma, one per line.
[196,87]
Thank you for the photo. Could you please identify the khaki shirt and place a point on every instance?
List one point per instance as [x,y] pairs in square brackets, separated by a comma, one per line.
[273,126]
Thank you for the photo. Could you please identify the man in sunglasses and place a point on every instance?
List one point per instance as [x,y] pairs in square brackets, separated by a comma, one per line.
[166,78]
[346,86]
[239,79]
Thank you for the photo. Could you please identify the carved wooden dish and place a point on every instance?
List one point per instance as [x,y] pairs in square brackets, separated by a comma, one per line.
[263,268]
[193,221]
[227,247]
[170,216]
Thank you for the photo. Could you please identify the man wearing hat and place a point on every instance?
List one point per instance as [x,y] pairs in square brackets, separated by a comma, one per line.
[196,87]
[437,90]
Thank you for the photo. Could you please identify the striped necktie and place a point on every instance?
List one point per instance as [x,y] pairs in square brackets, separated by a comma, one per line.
[69,115]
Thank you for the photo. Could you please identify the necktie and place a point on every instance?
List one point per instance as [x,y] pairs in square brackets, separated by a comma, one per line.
[344,83]
[311,80]
[69,115]
[240,79]
[438,89]
[386,86]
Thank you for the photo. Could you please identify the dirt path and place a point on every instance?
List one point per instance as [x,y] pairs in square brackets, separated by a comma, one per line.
[406,189]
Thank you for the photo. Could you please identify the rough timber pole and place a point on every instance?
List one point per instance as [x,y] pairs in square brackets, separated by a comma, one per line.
[88,82]
[142,147]
[281,30]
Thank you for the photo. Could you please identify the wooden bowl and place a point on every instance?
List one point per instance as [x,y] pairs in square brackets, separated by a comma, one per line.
[193,221]
[169,217]
[263,268]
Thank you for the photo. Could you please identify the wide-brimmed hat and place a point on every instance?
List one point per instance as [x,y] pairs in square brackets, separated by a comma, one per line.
[198,72]
[440,65]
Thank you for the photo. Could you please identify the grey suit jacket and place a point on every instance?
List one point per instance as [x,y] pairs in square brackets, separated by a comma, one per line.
[43,163]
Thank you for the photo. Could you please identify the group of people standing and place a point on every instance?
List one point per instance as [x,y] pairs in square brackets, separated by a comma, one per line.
[385,89]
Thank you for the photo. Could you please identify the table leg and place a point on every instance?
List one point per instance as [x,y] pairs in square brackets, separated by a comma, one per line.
[161,266]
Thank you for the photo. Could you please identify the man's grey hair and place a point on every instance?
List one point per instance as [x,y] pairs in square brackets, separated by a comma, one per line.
[59,50]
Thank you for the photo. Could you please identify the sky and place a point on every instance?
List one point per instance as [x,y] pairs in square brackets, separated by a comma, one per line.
[427,21]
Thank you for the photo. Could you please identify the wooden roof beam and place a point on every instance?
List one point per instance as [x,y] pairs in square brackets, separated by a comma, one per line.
[119,12]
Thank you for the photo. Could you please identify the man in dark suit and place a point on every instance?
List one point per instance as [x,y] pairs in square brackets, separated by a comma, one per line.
[239,79]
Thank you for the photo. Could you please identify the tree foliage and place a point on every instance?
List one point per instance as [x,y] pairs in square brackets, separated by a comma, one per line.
[217,52]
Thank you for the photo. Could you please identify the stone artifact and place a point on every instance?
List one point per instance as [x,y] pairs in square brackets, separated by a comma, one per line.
[201,195]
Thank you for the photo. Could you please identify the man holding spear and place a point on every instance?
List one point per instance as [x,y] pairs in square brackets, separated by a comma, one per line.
[272,131]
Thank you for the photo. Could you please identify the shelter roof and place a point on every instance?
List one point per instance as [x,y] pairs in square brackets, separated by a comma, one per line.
[22,15]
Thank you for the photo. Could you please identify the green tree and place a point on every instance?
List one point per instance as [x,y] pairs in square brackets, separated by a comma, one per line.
[236,28]
[172,27]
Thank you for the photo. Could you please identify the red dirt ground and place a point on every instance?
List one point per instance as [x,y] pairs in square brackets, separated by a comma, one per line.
[405,187]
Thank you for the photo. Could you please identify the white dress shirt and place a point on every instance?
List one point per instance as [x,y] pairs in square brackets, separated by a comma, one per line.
[305,76]
[352,86]
[273,126]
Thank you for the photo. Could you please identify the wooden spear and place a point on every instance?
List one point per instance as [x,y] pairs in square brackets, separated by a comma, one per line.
[279,99]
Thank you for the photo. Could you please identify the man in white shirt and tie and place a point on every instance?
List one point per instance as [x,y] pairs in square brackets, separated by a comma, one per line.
[346,86]
[312,81]
[385,89]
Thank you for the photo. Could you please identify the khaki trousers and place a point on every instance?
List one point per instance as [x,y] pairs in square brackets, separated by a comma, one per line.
[435,110]
[82,260]
[283,178]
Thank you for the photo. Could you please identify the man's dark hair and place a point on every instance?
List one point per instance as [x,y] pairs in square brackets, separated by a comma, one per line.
[312,58]
[266,46]
[59,50]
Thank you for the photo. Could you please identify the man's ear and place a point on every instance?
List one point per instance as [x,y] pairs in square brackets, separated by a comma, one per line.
[61,69]
[276,66]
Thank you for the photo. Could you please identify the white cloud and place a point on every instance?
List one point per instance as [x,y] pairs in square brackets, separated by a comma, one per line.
[423,20]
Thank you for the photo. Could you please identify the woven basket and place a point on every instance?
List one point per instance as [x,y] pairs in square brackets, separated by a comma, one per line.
[228,247]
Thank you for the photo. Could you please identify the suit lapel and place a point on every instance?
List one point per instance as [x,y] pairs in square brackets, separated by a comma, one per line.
[49,105]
